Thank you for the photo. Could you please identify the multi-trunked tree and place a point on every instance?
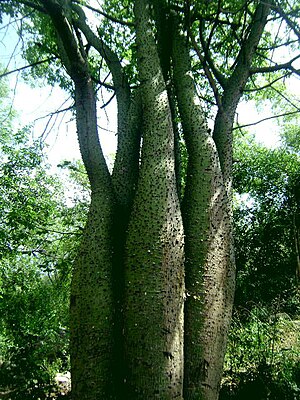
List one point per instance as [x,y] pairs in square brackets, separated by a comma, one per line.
[153,284]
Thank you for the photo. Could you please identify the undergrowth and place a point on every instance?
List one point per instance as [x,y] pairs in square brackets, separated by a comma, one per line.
[263,357]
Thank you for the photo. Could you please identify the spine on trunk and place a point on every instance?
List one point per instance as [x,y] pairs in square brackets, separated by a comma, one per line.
[209,281]
[154,275]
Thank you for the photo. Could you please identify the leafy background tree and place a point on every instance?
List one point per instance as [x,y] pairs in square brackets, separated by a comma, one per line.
[268,226]
[263,353]
[38,240]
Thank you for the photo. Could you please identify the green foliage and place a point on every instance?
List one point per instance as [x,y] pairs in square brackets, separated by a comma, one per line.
[290,133]
[266,223]
[262,358]
[26,200]
[40,44]
[34,314]
[120,37]
[263,353]
[37,244]
[78,176]
[37,248]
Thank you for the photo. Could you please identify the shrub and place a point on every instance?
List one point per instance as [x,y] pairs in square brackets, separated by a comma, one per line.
[262,359]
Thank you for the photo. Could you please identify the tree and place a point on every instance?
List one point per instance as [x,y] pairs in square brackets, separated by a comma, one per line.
[267,226]
[266,304]
[149,241]
[35,250]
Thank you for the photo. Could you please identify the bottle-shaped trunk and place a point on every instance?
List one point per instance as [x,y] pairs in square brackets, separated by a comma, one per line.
[154,276]
[208,245]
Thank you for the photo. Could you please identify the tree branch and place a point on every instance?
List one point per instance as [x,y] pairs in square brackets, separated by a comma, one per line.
[277,67]
[59,111]
[109,56]
[73,59]
[220,77]
[222,133]
[257,89]
[286,99]
[33,5]
[104,14]
[206,70]
[27,66]
[277,8]
[214,26]
[266,119]
[108,101]
[43,230]
[277,46]
[102,83]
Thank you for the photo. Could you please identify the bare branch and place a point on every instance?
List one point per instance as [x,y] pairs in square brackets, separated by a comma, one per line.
[266,119]
[102,83]
[32,252]
[220,78]
[42,229]
[48,125]
[108,101]
[277,46]
[270,84]
[206,70]
[215,24]
[61,110]
[286,99]
[110,17]
[27,66]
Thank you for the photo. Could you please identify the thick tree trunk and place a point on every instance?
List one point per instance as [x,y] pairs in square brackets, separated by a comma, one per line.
[124,180]
[209,265]
[154,271]
[154,277]
[91,304]
[91,308]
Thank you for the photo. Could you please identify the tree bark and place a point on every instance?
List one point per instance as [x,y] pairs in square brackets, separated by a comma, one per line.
[154,276]
[91,306]
[233,91]
[209,266]
[150,291]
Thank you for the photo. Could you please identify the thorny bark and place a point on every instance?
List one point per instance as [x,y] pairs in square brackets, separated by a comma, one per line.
[154,279]
[91,306]
[164,49]
[209,267]
[154,275]
[233,91]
